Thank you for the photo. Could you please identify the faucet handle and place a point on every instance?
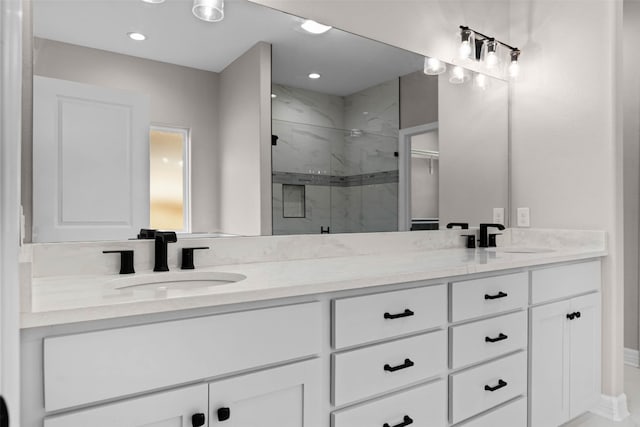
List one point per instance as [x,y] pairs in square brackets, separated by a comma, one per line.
[126,260]
[187,257]
[471,240]
[492,239]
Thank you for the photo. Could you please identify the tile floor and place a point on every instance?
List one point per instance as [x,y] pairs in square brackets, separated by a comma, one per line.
[632,390]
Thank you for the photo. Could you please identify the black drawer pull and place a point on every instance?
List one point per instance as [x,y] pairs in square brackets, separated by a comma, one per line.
[198,420]
[407,420]
[500,337]
[498,295]
[405,313]
[407,364]
[498,387]
[224,413]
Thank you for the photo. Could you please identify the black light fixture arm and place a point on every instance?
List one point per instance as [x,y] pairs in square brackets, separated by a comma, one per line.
[486,37]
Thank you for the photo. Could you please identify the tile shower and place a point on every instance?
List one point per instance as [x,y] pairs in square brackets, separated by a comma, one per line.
[338,152]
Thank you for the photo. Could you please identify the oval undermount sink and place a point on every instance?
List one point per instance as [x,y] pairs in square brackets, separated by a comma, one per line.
[180,279]
[520,250]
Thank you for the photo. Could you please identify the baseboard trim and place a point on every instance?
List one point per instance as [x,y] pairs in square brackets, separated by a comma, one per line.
[632,357]
[612,407]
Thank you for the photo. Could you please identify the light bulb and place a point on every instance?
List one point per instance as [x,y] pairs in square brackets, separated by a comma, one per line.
[433,66]
[466,43]
[481,81]
[458,75]
[490,50]
[208,10]
[314,76]
[514,67]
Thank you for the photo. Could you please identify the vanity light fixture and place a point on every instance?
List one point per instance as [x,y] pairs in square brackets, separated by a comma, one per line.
[433,66]
[481,47]
[467,43]
[314,27]
[208,10]
[514,66]
[314,76]
[137,36]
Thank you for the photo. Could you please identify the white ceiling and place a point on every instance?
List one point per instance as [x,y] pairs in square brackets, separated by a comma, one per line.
[347,63]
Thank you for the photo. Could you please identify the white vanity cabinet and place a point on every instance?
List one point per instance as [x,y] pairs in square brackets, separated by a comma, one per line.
[565,344]
[504,349]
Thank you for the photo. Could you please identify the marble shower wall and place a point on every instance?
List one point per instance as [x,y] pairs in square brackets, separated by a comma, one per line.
[351,181]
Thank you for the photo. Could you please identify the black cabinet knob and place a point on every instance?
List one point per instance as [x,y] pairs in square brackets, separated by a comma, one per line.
[407,364]
[501,384]
[126,260]
[224,414]
[198,420]
[500,337]
[407,420]
[187,257]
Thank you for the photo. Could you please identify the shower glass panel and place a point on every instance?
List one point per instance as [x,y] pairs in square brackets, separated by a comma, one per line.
[343,150]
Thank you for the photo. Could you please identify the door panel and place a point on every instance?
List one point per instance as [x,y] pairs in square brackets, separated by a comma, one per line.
[90,162]
[280,397]
[169,409]
[549,379]
[585,354]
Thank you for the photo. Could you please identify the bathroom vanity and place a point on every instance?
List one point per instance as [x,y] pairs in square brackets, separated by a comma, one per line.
[435,337]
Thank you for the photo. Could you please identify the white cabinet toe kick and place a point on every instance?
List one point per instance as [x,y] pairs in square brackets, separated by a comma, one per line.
[511,349]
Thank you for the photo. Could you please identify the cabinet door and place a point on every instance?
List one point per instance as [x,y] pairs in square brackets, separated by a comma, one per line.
[281,397]
[169,409]
[549,374]
[585,354]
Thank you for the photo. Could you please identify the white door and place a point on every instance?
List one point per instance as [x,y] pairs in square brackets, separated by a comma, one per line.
[281,397]
[186,407]
[585,365]
[10,125]
[90,162]
[549,375]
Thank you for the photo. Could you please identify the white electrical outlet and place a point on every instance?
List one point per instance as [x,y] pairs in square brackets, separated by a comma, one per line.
[498,216]
[524,220]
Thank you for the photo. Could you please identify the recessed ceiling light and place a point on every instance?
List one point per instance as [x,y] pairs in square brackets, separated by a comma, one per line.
[314,28]
[273,95]
[137,36]
[153,1]
[314,76]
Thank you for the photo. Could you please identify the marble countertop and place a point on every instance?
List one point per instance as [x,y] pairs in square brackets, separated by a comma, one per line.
[68,299]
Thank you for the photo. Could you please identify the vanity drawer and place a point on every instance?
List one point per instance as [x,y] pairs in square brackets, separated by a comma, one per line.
[554,283]
[95,366]
[491,295]
[384,367]
[486,339]
[469,394]
[425,405]
[513,414]
[369,318]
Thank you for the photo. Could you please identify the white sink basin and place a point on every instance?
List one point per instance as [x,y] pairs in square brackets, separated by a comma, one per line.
[520,250]
[179,279]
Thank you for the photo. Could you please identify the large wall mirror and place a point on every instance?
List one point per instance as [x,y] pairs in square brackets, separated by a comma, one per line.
[144,116]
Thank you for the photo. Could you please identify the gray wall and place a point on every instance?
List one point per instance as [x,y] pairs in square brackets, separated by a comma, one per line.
[418,99]
[473,140]
[245,144]
[631,167]
[180,96]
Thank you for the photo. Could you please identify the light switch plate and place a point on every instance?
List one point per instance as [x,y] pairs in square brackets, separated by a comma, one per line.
[524,219]
[498,216]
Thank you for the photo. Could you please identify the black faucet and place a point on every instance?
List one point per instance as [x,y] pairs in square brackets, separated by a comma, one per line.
[163,238]
[484,234]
